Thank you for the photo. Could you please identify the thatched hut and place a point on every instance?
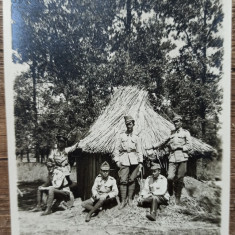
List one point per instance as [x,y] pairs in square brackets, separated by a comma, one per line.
[99,143]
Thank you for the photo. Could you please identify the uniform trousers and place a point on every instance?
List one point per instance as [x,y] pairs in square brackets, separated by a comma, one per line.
[128,174]
[107,203]
[57,194]
[176,173]
[147,202]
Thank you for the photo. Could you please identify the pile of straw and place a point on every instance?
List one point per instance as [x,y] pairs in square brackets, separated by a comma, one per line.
[149,125]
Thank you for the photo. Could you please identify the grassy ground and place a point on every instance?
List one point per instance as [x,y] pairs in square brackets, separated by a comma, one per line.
[34,171]
[194,216]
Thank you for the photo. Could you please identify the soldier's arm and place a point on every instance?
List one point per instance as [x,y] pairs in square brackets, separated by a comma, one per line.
[94,188]
[138,150]
[161,144]
[51,156]
[117,148]
[72,148]
[188,142]
[145,191]
[114,191]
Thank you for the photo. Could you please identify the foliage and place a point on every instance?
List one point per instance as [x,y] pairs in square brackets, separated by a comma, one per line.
[79,51]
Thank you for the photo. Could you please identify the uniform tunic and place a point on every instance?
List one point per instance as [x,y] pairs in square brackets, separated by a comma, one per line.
[156,187]
[102,186]
[128,150]
[179,139]
[60,158]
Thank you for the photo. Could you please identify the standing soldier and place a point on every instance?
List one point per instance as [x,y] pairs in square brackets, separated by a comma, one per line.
[59,156]
[180,144]
[154,192]
[129,159]
[104,191]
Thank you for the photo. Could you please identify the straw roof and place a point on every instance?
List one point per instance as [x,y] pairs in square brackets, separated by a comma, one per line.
[149,125]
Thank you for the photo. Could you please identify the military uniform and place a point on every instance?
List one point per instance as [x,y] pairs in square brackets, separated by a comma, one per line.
[180,144]
[104,190]
[56,187]
[102,186]
[60,158]
[156,187]
[128,155]
[154,192]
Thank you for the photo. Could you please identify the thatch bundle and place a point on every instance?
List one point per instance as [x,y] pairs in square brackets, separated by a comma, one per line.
[149,125]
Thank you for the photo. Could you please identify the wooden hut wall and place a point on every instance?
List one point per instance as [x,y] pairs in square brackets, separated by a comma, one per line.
[88,167]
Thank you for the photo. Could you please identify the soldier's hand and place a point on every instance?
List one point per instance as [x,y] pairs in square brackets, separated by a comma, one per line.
[140,199]
[118,164]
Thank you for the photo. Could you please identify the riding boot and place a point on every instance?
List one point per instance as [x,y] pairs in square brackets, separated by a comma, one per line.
[49,202]
[153,211]
[170,187]
[131,189]
[95,208]
[123,191]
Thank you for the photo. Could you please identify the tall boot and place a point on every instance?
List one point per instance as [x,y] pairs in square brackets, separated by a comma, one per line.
[131,189]
[49,201]
[123,191]
[178,191]
[170,187]
[153,211]
[94,209]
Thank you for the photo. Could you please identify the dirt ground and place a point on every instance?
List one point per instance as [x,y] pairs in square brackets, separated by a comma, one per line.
[188,218]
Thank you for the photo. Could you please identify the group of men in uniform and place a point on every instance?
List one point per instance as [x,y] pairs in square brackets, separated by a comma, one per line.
[129,159]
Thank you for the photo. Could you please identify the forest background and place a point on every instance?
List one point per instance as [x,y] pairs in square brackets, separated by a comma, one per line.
[79,52]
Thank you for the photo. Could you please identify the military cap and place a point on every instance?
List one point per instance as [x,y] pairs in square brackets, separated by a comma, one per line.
[176,118]
[105,166]
[129,119]
[155,166]
[61,137]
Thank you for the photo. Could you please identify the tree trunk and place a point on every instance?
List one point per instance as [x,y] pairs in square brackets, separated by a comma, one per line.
[128,16]
[28,156]
[33,68]
[204,72]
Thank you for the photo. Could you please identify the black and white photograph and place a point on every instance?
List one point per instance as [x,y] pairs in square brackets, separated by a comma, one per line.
[118,116]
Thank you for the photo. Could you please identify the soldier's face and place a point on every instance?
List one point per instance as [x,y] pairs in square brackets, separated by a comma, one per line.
[129,126]
[104,173]
[177,124]
[156,173]
[61,144]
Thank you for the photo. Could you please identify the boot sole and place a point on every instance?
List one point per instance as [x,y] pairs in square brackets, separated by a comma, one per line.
[151,218]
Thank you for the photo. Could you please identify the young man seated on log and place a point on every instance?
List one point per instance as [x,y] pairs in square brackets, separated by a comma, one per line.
[154,192]
[104,192]
[56,188]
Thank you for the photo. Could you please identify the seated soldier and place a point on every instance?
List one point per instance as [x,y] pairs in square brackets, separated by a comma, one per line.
[50,168]
[154,192]
[59,190]
[104,191]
